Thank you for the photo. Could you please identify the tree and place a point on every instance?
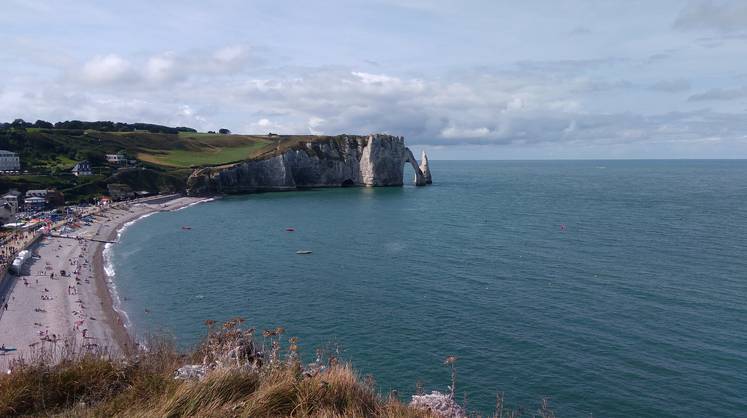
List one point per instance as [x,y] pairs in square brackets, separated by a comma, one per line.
[43,124]
[20,123]
[224,131]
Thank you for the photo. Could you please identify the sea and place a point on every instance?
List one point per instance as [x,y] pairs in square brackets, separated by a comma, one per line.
[610,288]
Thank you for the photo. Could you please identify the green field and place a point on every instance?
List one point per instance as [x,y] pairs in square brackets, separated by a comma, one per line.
[212,155]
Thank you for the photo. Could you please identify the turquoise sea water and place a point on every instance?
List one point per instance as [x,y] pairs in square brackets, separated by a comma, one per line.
[634,307]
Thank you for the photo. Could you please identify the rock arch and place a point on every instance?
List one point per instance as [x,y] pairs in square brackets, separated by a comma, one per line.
[420,179]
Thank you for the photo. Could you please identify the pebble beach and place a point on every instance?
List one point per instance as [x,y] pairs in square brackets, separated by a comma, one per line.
[63,300]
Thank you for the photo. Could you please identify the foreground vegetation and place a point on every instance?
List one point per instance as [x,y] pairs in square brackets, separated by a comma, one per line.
[234,377]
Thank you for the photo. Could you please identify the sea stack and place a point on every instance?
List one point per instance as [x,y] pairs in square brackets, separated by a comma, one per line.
[424,168]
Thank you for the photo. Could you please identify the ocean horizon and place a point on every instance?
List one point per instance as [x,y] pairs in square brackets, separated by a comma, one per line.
[612,287]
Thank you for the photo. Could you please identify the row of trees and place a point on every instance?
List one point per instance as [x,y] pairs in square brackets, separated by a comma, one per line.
[106,126]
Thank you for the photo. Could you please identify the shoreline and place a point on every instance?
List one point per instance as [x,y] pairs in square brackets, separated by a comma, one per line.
[124,335]
[48,315]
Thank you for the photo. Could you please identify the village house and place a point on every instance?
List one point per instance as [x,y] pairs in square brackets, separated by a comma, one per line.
[9,161]
[34,204]
[82,168]
[12,199]
[116,159]
[40,199]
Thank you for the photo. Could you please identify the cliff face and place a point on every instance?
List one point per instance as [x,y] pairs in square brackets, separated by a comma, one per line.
[375,160]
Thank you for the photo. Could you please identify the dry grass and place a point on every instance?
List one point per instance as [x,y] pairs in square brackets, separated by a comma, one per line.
[243,380]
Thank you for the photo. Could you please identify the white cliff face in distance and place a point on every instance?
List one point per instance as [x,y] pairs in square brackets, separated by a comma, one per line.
[341,161]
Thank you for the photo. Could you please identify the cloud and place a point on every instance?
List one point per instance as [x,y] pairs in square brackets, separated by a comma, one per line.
[720,16]
[580,31]
[223,87]
[670,86]
[106,69]
[166,67]
[161,68]
[720,94]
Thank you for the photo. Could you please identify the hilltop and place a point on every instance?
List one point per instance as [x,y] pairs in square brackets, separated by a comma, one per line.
[163,157]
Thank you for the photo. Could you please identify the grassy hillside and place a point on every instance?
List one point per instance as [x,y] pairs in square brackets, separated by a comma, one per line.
[198,150]
[48,155]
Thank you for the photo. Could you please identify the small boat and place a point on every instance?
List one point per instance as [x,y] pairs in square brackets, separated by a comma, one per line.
[290,229]
[5,349]
[187,228]
[303,252]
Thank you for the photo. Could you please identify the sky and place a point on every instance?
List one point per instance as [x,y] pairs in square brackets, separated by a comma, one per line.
[461,79]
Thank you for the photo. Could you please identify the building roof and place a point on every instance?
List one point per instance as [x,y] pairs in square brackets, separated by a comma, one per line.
[5,153]
[35,199]
[82,166]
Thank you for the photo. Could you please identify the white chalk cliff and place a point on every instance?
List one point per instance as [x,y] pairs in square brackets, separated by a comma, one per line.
[340,161]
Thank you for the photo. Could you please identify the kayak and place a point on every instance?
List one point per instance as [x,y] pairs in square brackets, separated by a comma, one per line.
[7,349]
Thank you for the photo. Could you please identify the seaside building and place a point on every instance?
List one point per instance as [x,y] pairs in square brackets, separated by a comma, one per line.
[116,159]
[9,161]
[82,168]
[6,212]
[41,198]
[37,193]
[12,199]
[120,191]
[34,203]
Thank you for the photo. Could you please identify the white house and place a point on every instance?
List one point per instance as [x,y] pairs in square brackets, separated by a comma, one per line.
[12,199]
[9,161]
[116,159]
[37,193]
[82,168]
[34,203]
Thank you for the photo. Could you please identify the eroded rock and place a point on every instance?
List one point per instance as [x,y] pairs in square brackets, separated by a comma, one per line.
[346,160]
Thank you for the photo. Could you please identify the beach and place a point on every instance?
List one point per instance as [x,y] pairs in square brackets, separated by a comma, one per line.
[63,299]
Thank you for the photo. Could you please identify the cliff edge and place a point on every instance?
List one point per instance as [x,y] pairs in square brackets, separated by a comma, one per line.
[338,161]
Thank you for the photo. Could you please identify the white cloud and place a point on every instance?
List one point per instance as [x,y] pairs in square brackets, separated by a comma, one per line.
[671,86]
[720,94]
[160,68]
[106,69]
[230,54]
[716,15]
